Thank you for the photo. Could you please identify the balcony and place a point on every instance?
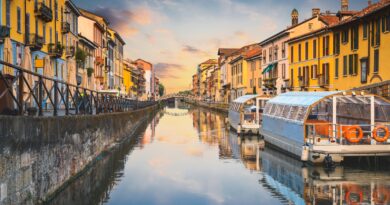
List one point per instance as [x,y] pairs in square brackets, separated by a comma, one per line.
[55,50]
[34,41]
[4,32]
[65,27]
[43,12]
[303,81]
[70,51]
[270,82]
[99,60]
[323,80]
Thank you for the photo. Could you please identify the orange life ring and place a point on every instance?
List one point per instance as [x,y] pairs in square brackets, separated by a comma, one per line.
[354,189]
[381,192]
[379,138]
[350,134]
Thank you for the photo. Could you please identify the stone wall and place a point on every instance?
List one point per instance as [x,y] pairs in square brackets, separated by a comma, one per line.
[39,155]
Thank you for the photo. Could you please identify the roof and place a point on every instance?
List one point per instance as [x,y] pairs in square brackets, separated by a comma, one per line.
[255,52]
[92,16]
[303,99]
[371,9]
[210,61]
[88,42]
[72,6]
[245,98]
[227,51]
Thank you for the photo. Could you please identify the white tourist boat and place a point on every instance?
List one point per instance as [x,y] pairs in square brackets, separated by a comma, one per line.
[312,125]
[245,113]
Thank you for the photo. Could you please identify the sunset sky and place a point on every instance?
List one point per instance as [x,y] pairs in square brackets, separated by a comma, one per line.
[177,35]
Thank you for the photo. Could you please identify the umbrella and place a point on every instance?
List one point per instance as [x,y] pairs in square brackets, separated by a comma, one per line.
[27,64]
[8,56]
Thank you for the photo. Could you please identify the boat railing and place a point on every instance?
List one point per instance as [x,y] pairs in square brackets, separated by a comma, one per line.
[342,134]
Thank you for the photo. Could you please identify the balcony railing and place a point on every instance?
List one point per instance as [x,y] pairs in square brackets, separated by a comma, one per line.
[70,51]
[44,12]
[5,32]
[303,81]
[65,27]
[55,50]
[323,80]
[270,82]
[99,60]
[35,41]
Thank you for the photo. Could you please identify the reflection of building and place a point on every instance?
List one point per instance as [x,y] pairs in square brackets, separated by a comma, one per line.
[250,151]
[294,183]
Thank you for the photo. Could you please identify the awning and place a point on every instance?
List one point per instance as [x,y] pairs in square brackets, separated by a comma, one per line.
[269,68]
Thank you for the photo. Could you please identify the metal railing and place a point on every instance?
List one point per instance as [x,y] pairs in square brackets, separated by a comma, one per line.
[327,133]
[24,92]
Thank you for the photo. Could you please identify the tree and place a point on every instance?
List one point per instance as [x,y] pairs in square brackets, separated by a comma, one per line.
[161,89]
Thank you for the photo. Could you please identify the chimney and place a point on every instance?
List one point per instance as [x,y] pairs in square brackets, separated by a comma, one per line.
[369,2]
[294,17]
[344,5]
[316,12]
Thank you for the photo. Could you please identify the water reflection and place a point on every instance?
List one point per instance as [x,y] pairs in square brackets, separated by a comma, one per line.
[196,159]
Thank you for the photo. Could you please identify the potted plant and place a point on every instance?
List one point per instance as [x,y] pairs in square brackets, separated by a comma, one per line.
[90,72]
[81,57]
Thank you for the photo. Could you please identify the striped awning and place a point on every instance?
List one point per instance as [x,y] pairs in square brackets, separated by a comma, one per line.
[269,68]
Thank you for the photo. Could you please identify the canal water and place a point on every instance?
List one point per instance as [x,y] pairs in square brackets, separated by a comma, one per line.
[186,155]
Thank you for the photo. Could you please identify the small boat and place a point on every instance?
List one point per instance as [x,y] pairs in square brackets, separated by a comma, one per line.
[245,113]
[314,126]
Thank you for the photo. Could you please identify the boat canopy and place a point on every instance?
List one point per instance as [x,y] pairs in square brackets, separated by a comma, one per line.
[286,114]
[245,98]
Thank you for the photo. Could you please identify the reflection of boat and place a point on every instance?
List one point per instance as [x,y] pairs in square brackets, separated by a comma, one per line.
[245,113]
[250,151]
[295,183]
[311,125]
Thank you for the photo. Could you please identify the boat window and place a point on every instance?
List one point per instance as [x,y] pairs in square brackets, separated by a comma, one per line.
[286,111]
[293,112]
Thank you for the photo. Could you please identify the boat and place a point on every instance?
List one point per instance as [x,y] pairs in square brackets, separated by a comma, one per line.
[245,113]
[314,126]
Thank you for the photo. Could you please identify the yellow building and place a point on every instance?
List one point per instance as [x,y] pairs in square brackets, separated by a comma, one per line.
[311,59]
[40,25]
[349,53]
[129,78]
[204,73]
[363,47]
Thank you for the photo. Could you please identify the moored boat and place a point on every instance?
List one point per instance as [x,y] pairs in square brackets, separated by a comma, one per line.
[315,125]
[245,113]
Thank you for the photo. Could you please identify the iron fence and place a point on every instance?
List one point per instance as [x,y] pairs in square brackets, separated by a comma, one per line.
[24,92]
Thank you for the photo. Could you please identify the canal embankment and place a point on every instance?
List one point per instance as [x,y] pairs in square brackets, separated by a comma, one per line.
[41,155]
[221,107]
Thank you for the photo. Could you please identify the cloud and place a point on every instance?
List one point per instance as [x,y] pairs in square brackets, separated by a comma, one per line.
[125,20]
[194,51]
[168,70]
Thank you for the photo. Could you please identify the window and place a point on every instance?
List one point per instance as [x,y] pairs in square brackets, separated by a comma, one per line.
[364,71]
[36,26]
[325,74]
[336,68]
[265,56]
[56,9]
[326,45]
[315,49]
[336,43]
[8,13]
[19,20]
[284,71]
[383,24]
[270,54]
[299,52]
[345,65]
[353,64]
[344,36]
[378,32]
[306,50]
[276,53]
[365,30]
[355,38]
[51,35]
[376,61]
[387,23]
[292,77]
[27,24]
[292,54]
[44,32]
[284,50]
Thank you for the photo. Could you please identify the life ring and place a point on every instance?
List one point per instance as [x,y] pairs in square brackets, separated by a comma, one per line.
[350,134]
[379,138]
[354,190]
[378,193]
